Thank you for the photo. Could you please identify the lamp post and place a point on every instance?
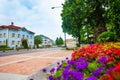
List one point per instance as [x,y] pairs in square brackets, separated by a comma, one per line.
[64,32]
[87,31]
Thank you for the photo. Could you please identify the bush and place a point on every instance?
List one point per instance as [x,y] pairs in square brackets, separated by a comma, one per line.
[3,46]
[107,37]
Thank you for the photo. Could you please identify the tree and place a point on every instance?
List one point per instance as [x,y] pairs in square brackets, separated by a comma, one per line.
[113,16]
[37,40]
[95,15]
[59,41]
[73,17]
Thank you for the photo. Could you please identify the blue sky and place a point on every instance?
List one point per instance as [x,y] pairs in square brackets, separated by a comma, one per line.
[35,15]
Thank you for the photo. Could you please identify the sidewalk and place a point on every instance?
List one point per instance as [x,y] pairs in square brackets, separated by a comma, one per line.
[8,76]
[24,65]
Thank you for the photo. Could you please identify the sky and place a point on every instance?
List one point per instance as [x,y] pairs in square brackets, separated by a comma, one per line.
[35,15]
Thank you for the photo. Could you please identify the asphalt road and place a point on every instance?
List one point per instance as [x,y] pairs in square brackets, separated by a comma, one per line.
[25,51]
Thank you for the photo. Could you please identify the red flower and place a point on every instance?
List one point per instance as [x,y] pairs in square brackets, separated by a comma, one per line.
[117,52]
[108,51]
[110,59]
[117,68]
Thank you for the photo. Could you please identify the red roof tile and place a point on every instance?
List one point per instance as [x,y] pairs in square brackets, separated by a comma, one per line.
[10,27]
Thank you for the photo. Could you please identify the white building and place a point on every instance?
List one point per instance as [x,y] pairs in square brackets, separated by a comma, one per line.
[13,36]
[46,41]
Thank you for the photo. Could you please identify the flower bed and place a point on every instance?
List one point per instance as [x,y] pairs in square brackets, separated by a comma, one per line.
[93,62]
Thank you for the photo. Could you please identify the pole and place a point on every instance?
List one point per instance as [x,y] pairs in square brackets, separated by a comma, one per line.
[65,38]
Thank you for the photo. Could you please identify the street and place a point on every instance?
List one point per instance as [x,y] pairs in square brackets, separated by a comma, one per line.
[24,51]
[27,62]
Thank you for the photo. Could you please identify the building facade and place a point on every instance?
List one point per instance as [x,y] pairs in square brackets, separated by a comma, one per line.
[12,36]
[46,42]
[71,42]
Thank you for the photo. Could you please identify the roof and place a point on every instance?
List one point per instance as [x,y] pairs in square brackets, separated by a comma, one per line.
[14,27]
[9,27]
[46,37]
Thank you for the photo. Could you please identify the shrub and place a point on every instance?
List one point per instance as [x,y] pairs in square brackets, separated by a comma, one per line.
[107,37]
[3,46]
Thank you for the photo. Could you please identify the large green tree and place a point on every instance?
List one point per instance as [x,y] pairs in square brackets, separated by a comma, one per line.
[95,15]
[37,40]
[113,16]
[72,17]
[59,41]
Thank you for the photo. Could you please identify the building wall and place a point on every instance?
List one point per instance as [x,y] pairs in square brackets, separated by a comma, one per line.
[3,36]
[15,37]
[46,42]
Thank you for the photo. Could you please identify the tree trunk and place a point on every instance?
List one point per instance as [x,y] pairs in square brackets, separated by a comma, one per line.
[78,40]
[100,22]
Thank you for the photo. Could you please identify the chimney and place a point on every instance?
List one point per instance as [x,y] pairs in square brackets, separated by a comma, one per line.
[12,23]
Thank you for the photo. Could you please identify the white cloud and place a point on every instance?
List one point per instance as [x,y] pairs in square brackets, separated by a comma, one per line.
[35,15]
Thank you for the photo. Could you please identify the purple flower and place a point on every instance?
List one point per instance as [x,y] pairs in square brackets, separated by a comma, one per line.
[71,62]
[66,74]
[109,69]
[90,60]
[103,60]
[58,63]
[51,78]
[67,58]
[91,78]
[58,68]
[98,71]
[77,75]
[31,79]
[67,67]
[68,61]
[81,64]
[52,70]
[44,70]
[63,61]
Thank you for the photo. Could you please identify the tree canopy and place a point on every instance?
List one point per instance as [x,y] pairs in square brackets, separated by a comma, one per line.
[96,16]
[37,40]
[59,41]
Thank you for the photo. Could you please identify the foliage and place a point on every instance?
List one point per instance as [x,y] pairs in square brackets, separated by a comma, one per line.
[3,46]
[107,37]
[113,16]
[25,44]
[59,41]
[37,40]
[95,15]
[92,63]
[72,17]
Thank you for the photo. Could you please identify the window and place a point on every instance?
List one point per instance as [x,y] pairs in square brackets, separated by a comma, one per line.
[30,37]
[13,34]
[13,42]
[0,42]
[0,35]
[4,42]
[18,42]
[4,34]
[27,36]
[18,35]
[23,36]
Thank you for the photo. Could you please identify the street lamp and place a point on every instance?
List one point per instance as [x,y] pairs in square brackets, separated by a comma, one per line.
[87,31]
[64,32]
[56,7]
